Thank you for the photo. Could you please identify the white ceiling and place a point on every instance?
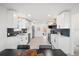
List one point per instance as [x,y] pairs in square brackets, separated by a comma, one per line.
[40,11]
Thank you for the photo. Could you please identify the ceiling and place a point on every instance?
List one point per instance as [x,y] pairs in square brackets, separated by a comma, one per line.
[40,11]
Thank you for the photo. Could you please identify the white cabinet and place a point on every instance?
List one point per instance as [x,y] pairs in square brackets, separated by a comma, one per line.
[61,42]
[54,40]
[15,23]
[10,19]
[63,20]
[64,44]
[11,43]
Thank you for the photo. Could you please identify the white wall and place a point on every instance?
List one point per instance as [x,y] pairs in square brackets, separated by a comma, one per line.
[75,27]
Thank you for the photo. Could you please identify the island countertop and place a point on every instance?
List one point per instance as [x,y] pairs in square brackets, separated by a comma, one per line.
[12,52]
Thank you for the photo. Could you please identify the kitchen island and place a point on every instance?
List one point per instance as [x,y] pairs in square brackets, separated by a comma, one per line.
[13,52]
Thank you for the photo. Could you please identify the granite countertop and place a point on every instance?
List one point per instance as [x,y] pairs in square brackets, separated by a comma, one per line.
[12,52]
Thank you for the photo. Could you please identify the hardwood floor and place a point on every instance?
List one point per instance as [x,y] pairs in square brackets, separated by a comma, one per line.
[37,41]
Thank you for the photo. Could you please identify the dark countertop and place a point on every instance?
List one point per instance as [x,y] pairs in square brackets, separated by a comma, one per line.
[12,52]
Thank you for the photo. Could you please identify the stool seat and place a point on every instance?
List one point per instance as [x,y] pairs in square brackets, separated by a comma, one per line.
[45,47]
[23,47]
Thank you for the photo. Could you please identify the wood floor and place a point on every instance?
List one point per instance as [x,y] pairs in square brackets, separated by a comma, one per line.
[37,41]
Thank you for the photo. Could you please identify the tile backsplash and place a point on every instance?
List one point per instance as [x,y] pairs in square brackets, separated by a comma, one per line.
[64,32]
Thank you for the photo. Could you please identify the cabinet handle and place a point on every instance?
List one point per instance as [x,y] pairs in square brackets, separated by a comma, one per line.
[21,40]
[59,26]
[54,40]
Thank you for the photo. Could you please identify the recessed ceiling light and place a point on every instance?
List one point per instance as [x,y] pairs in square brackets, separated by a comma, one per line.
[49,15]
[29,15]
[32,23]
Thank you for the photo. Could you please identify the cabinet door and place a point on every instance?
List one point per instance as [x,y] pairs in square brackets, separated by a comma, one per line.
[10,19]
[64,43]
[63,20]
[22,40]
[54,41]
[58,21]
[11,43]
[15,23]
[66,20]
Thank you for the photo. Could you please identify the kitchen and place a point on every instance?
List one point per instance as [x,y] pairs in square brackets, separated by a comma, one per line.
[45,25]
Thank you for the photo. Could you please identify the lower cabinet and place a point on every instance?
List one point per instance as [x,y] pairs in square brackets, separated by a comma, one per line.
[23,41]
[64,44]
[54,40]
[13,42]
[61,42]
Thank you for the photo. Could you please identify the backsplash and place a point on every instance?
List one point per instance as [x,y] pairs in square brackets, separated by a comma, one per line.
[11,32]
[53,31]
[64,32]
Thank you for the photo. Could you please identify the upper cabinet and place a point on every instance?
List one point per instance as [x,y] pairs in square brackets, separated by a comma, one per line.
[63,20]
